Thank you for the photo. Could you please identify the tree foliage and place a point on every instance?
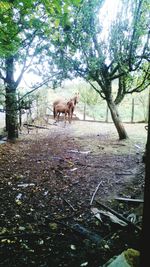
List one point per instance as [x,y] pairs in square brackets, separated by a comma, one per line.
[122,54]
[27,29]
[60,39]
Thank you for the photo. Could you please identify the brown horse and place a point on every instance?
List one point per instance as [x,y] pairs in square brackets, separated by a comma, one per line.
[65,108]
[74,100]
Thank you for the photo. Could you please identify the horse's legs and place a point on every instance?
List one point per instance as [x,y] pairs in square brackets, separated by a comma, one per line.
[72,110]
[69,116]
[54,112]
[58,115]
[65,117]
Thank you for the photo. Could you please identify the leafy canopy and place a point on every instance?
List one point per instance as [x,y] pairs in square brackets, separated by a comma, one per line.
[123,54]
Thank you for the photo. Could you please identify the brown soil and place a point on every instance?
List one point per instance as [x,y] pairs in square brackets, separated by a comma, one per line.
[47,183]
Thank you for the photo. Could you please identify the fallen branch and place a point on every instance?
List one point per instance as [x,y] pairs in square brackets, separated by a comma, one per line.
[119,216]
[130,200]
[69,204]
[95,192]
[34,126]
[119,145]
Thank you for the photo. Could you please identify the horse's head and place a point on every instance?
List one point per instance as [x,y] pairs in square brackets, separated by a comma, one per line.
[76,98]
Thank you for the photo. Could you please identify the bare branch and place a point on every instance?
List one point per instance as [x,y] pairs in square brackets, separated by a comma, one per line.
[24,68]
[98,91]
[38,86]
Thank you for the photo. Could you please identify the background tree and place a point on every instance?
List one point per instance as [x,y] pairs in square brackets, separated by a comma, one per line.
[122,55]
[26,29]
[2,96]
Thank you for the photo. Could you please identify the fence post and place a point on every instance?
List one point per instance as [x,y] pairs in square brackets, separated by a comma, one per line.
[20,112]
[107,110]
[84,112]
[132,114]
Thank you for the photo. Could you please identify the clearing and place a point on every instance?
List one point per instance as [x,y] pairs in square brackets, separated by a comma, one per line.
[50,181]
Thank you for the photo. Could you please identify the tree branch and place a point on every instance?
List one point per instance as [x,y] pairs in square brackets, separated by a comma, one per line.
[132,43]
[136,89]
[37,87]
[24,68]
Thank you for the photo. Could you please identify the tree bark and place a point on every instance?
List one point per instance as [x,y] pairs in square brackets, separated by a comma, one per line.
[11,114]
[116,119]
[107,91]
[145,252]
[11,101]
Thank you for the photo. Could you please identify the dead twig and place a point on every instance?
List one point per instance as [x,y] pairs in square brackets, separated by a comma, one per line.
[95,192]
[69,204]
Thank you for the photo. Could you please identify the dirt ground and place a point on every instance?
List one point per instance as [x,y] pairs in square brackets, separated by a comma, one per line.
[51,182]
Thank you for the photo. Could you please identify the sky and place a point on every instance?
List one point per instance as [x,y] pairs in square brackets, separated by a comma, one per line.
[110,8]
[107,14]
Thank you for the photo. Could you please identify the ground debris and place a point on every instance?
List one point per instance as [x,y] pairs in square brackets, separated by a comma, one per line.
[43,223]
[120,216]
[87,234]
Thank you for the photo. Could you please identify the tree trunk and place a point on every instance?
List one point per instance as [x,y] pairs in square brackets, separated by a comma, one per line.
[20,118]
[11,101]
[145,252]
[11,114]
[116,119]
